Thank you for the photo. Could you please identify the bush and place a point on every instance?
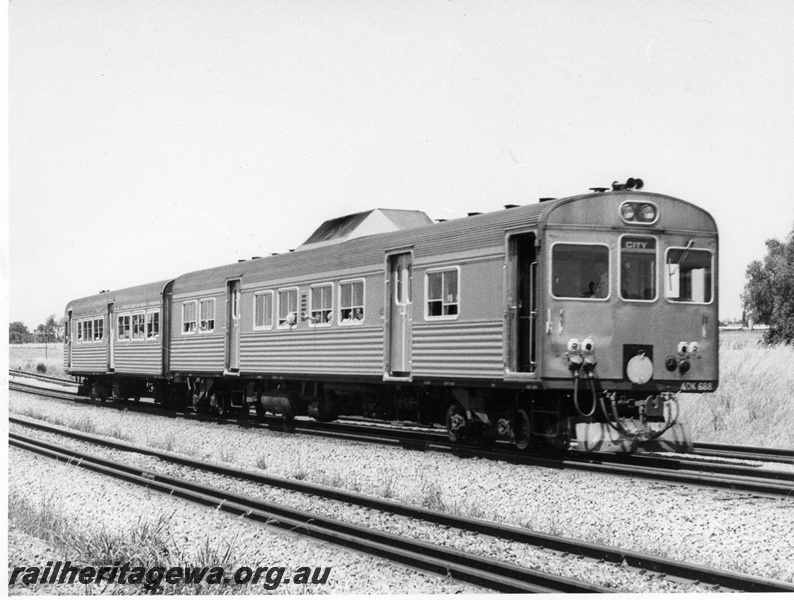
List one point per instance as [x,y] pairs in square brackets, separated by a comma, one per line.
[41,367]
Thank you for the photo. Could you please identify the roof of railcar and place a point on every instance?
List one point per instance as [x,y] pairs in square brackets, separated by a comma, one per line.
[140,295]
[486,230]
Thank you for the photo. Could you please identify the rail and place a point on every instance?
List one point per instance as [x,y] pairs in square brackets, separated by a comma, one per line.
[635,560]
[647,466]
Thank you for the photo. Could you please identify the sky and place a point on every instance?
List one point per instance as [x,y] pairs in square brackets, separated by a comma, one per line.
[152,138]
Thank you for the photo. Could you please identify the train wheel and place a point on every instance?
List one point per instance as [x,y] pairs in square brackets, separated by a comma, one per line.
[522,433]
[221,404]
[98,392]
[260,410]
[199,406]
[456,423]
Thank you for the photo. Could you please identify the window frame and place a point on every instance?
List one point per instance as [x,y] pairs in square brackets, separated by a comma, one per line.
[310,318]
[664,283]
[262,294]
[200,320]
[120,330]
[286,325]
[79,332]
[141,318]
[352,322]
[94,321]
[88,330]
[193,331]
[551,271]
[620,267]
[147,320]
[441,317]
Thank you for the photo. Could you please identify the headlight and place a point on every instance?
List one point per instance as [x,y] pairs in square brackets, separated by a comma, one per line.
[627,210]
[648,213]
[588,345]
[573,345]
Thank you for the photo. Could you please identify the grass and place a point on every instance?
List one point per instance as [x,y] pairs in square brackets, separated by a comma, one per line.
[754,404]
[145,543]
[35,358]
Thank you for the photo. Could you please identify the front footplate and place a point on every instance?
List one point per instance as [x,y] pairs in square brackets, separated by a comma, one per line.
[602,437]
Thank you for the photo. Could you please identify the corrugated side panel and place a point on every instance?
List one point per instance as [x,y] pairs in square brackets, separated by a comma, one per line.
[343,351]
[458,349]
[144,358]
[90,357]
[198,353]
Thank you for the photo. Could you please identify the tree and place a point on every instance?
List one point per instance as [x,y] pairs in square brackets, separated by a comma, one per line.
[769,291]
[47,331]
[17,332]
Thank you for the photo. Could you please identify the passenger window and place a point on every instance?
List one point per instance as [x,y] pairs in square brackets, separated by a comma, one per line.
[263,310]
[189,317]
[88,330]
[442,293]
[637,268]
[79,332]
[688,275]
[287,308]
[322,305]
[580,271]
[123,327]
[138,326]
[207,314]
[153,325]
[351,302]
[99,329]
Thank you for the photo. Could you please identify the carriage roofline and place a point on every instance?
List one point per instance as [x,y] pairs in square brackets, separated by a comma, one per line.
[529,216]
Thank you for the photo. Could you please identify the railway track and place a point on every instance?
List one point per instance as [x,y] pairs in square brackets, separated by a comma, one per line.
[686,471]
[41,377]
[471,568]
[477,570]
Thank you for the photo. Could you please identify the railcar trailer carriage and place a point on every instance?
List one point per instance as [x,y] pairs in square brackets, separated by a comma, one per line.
[571,321]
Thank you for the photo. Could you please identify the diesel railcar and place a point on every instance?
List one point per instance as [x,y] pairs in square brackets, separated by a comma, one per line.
[571,321]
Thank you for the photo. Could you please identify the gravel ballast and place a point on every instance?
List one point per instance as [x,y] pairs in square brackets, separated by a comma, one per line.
[90,502]
[721,529]
[613,576]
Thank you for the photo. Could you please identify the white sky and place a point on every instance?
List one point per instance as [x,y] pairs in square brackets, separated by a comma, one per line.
[150,138]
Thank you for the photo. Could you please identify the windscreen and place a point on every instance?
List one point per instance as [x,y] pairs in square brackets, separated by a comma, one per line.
[687,275]
[580,271]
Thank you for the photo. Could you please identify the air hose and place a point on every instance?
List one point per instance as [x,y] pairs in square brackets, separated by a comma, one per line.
[576,395]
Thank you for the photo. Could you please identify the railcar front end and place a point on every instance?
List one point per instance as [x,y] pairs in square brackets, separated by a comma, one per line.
[630,315]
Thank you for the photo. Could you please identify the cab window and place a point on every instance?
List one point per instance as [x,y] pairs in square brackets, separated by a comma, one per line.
[580,271]
[638,268]
[688,275]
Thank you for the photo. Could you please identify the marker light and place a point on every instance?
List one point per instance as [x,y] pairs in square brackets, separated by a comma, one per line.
[588,345]
[682,348]
[694,347]
[573,345]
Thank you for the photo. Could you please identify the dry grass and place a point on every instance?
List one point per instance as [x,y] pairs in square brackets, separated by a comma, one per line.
[28,357]
[753,404]
[145,543]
